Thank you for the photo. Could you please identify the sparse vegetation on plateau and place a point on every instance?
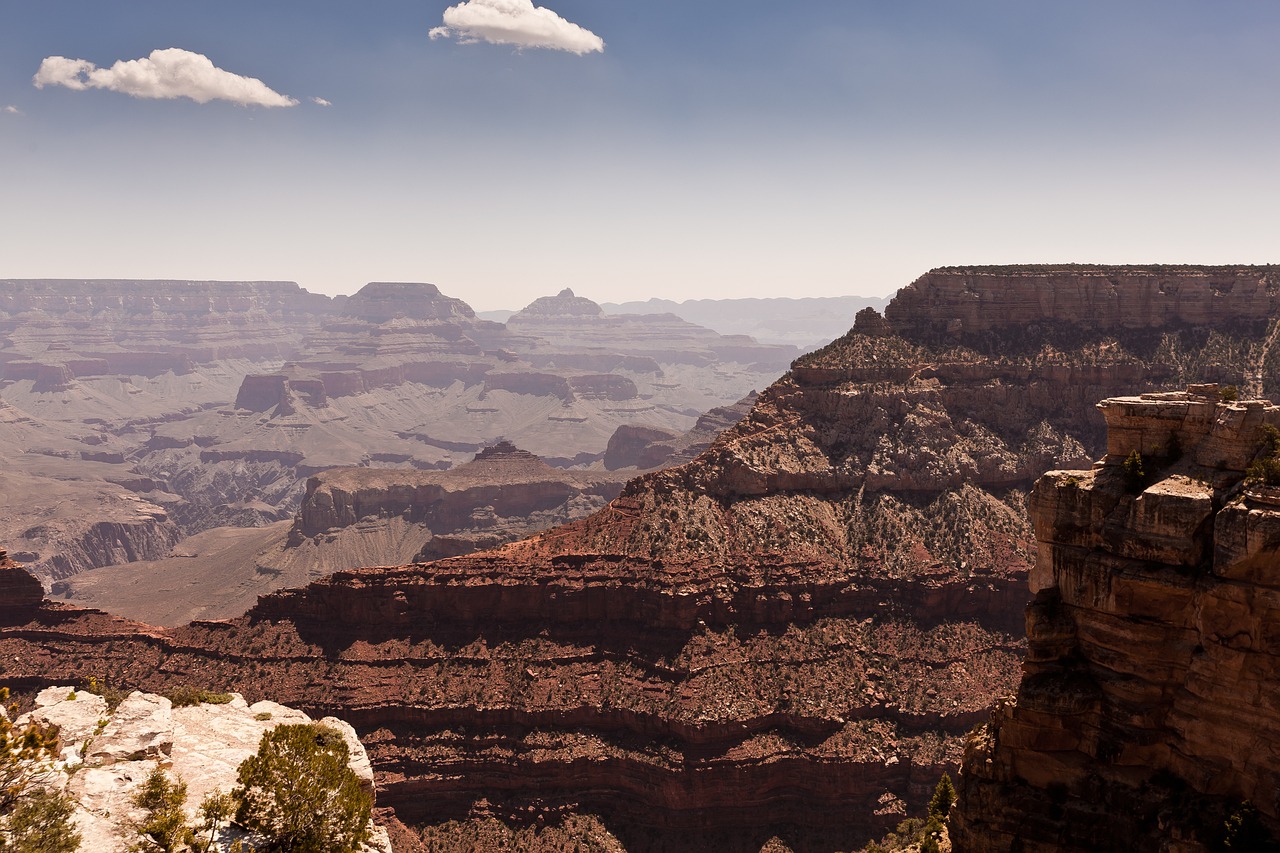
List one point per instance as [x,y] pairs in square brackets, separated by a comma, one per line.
[33,816]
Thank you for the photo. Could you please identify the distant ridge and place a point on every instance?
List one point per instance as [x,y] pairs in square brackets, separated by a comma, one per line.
[805,322]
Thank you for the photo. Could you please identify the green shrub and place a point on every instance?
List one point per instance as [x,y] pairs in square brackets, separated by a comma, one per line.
[1266,470]
[164,826]
[32,817]
[1228,393]
[943,796]
[1243,831]
[40,823]
[299,793]
[1134,472]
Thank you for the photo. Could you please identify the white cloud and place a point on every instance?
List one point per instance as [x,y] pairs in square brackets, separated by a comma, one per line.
[169,73]
[12,110]
[321,102]
[516,22]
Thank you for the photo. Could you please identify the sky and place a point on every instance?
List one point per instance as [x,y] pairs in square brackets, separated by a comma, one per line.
[504,150]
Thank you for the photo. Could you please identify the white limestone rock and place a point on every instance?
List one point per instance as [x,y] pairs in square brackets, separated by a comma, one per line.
[107,755]
[141,727]
[75,713]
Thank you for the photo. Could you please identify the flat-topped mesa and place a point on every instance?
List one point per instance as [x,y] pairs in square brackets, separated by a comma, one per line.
[504,487]
[1146,711]
[956,302]
[382,301]
[504,450]
[172,298]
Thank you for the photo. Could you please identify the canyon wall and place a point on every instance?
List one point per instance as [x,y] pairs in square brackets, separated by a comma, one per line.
[213,402]
[1146,716]
[964,301]
[785,637]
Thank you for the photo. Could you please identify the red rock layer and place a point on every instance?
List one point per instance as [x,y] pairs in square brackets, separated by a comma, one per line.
[1147,710]
[787,634]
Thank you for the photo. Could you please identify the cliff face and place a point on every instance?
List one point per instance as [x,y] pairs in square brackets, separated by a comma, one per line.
[787,635]
[961,302]
[1146,714]
[503,494]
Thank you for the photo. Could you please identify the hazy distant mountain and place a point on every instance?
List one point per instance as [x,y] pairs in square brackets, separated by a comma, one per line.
[805,323]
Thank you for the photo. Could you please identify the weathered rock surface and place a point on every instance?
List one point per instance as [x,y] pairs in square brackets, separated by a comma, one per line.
[786,636]
[645,447]
[19,590]
[349,517]
[108,754]
[959,302]
[1146,714]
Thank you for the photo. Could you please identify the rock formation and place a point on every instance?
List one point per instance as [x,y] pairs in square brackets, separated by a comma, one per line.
[108,752]
[1146,714]
[785,637]
[645,447]
[208,404]
[350,517]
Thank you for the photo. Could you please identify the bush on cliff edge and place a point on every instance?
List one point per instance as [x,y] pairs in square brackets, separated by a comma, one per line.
[299,793]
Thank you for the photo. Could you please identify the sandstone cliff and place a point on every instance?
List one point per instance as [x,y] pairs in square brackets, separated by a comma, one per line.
[783,637]
[1146,714]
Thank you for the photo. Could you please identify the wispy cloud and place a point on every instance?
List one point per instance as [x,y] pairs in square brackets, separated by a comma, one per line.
[516,22]
[11,110]
[169,73]
[321,102]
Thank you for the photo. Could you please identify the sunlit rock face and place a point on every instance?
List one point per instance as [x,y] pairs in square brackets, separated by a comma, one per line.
[788,635]
[1146,713]
[108,753]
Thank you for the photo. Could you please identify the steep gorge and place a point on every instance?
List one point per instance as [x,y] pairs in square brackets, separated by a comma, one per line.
[785,637]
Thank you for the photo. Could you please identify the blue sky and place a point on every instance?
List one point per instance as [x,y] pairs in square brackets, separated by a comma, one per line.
[711,149]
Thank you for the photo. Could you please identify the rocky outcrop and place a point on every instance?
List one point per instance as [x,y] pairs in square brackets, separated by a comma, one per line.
[19,589]
[1145,716]
[563,304]
[643,447]
[787,635]
[107,754]
[637,446]
[381,301]
[503,494]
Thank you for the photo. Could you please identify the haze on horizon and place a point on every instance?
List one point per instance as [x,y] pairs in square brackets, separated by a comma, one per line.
[503,150]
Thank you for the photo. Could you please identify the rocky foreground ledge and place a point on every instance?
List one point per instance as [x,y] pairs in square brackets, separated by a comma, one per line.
[107,754]
[1147,716]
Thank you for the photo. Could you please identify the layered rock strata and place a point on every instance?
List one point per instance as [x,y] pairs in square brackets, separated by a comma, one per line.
[209,404]
[785,636]
[1146,715]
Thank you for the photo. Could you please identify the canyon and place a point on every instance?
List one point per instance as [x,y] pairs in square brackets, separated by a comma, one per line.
[147,412]
[779,642]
